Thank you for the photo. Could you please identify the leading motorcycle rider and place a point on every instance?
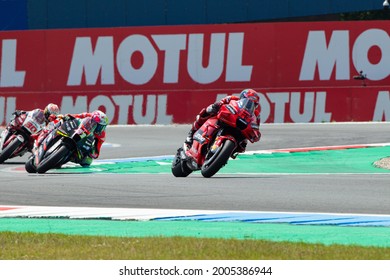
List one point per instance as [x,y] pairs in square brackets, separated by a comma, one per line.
[213,110]
[99,120]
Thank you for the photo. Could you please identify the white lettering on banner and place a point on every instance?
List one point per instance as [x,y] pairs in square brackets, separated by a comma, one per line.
[155,112]
[172,45]
[7,107]
[366,40]
[209,74]
[130,45]
[317,53]
[382,107]
[104,101]
[91,63]
[314,103]
[235,71]
[9,77]
[100,61]
[295,112]
[336,55]
[279,99]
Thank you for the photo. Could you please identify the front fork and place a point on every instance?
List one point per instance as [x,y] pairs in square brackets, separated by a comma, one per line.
[217,145]
[3,136]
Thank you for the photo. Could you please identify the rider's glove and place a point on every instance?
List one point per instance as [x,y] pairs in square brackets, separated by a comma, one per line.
[52,117]
[256,138]
[68,117]
[213,109]
[242,147]
[94,155]
[17,113]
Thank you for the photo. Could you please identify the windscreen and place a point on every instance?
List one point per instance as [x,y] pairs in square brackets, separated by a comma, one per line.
[88,124]
[247,104]
[37,115]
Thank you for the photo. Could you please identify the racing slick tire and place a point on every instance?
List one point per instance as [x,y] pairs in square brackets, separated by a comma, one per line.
[10,149]
[55,159]
[217,161]
[179,168]
[29,166]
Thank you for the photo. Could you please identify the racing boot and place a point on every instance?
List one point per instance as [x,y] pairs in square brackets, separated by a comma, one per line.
[86,161]
[199,121]
[189,140]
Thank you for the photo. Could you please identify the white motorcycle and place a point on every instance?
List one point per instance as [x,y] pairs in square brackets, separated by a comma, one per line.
[16,139]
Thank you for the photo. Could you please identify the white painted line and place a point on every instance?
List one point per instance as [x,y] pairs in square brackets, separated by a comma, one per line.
[92,212]
[139,214]
[319,148]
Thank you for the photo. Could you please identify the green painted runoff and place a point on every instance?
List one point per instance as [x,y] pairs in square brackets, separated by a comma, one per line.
[359,160]
[327,235]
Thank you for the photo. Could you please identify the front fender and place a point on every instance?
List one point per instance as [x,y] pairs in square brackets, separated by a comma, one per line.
[4,138]
[220,139]
[69,142]
[218,145]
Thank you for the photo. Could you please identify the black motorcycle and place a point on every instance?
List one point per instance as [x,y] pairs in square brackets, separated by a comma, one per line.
[71,141]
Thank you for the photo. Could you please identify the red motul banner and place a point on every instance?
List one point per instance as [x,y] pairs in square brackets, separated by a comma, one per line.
[304,72]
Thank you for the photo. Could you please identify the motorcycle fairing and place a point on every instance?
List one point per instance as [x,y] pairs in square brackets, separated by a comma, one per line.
[3,137]
[217,145]
[218,139]
[202,138]
[21,127]
[45,146]
[8,134]
[34,121]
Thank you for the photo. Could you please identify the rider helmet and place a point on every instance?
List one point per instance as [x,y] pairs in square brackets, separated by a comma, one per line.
[101,121]
[250,94]
[50,110]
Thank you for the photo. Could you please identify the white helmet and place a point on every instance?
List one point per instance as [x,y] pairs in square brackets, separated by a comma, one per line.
[101,121]
[51,109]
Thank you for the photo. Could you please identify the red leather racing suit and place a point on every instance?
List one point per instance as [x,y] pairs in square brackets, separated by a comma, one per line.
[213,109]
[99,138]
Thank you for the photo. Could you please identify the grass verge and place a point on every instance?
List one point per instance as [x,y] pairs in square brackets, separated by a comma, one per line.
[35,246]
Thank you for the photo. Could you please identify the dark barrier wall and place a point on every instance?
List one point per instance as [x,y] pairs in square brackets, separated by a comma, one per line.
[49,14]
[13,15]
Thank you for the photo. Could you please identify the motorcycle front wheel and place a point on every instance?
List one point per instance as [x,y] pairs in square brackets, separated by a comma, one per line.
[212,166]
[10,149]
[53,160]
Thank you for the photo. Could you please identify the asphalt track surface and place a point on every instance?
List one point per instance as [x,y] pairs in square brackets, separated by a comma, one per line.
[325,193]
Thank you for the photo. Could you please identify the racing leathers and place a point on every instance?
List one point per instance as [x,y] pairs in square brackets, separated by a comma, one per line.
[45,122]
[213,110]
[99,140]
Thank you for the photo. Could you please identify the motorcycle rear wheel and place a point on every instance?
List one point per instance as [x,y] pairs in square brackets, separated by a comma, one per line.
[53,160]
[179,168]
[29,166]
[210,168]
[10,149]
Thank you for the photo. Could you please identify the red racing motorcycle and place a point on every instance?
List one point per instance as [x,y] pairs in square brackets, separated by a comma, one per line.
[218,139]
[16,139]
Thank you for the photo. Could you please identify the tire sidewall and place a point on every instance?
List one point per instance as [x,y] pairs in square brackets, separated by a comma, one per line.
[219,160]
[10,149]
